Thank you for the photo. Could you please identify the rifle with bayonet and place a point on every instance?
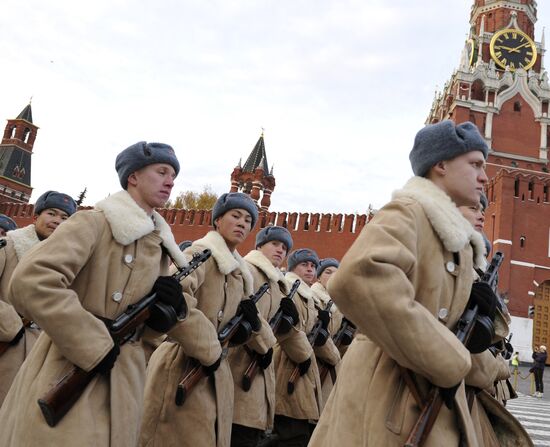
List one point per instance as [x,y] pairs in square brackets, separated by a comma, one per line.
[473,331]
[317,337]
[279,322]
[237,328]
[64,394]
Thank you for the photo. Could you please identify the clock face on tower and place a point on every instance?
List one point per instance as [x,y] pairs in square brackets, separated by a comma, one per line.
[472,50]
[513,48]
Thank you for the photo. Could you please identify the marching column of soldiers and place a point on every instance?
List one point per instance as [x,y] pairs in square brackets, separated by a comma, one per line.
[111,335]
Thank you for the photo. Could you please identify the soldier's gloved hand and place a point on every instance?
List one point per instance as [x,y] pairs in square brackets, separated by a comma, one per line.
[324,317]
[250,314]
[304,366]
[448,396]
[265,359]
[107,363]
[169,291]
[289,308]
[17,337]
[485,298]
[209,370]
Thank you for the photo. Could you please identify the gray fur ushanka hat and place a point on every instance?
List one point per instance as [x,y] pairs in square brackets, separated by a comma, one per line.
[7,223]
[443,141]
[325,263]
[274,233]
[234,200]
[302,255]
[54,199]
[143,154]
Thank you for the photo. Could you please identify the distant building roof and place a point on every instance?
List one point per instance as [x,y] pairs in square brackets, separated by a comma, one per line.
[26,114]
[257,157]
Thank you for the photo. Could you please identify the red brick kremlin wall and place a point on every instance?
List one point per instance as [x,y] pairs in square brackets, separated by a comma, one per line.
[330,235]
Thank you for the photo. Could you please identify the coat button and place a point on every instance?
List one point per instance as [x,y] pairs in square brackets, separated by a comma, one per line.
[128,258]
[117,296]
[450,266]
[443,314]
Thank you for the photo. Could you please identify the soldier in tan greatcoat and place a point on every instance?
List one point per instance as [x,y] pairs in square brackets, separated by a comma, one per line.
[405,282]
[296,413]
[90,270]
[501,388]
[255,408]
[217,290]
[50,210]
[327,267]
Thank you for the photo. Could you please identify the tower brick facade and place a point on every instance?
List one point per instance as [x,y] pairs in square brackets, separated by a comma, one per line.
[15,158]
[509,105]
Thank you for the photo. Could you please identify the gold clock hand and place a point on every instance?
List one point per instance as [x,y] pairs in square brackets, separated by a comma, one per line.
[521,46]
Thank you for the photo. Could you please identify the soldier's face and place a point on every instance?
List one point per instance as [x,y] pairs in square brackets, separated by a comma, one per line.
[152,185]
[275,251]
[234,226]
[327,273]
[47,221]
[306,271]
[474,215]
[463,178]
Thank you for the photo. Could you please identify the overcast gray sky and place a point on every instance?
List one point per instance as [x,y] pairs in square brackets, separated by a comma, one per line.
[340,87]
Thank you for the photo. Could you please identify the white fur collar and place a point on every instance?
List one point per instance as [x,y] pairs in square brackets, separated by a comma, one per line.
[452,228]
[23,239]
[303,289]
[225,260]
[258,259]
[129,222]
[321,296]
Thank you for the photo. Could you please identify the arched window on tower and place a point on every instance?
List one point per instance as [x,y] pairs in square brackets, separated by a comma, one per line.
[478,90]
[13,129]
[516,187]
[517,106]
[531,187]
[26,135]
[545,193]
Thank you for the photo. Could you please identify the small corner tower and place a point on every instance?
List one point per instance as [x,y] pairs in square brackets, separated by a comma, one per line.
[255,178]
[15,158]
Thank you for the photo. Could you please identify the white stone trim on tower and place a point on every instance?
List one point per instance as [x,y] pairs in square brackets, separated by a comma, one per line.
[519,85]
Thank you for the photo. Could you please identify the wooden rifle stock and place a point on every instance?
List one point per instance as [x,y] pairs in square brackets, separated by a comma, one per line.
[463,332]
[274,323]
[312,337]
[195,372]
[65,393]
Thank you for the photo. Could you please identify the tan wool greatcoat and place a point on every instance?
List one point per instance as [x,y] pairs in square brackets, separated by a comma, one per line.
[405,282]
[96,264]
[256,407]
[18,242]
[306,401]
[215,289]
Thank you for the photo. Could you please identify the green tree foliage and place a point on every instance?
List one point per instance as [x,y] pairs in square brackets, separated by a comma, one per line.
[192,200]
